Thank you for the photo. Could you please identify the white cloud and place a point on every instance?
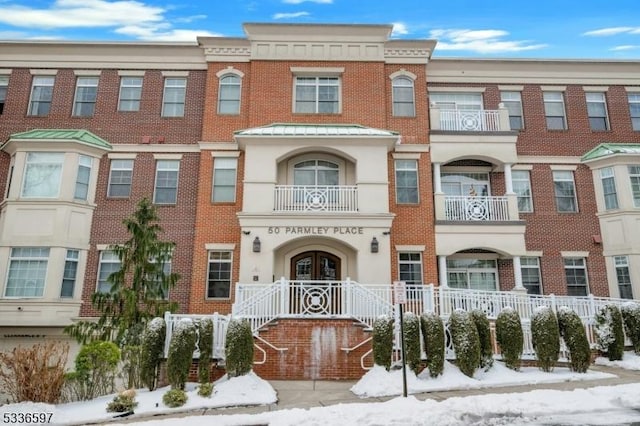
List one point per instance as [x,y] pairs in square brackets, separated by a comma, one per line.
[289,15]
[480,41]
[163,33]
[399,29]
[603,32]
[310,1]
[188,19]
[624,47]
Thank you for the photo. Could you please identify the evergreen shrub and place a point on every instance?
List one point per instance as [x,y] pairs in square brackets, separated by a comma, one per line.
[484,333]
[181,349]
[466,341]
[205,389]
[412,341]
[510,337]
[174,398]
[152,351]
[631,318]
[123,402]
[433,337]
[96,367]
[545,337]
[205,345]
[610,332]
[574,336]
[239,348]
[382,341]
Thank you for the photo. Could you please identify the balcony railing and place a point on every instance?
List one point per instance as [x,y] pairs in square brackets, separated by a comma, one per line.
[470,120]
[476,208]
[316,198]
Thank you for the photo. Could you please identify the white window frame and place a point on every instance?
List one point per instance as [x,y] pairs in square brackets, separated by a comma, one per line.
[457,101]
[85,96]
[55,159]
[512,100]
[167,266]
[473,270]
[224,165]
[130,93]
[70,273]
[634,182]
[174,96]
[40,100]
[107,257]
[317,82]
[120,165]
[634,110]
[4,88]
[531,263]
[414,264]
[229,81]
[521,182]
[622,269]
[165,170]
[407,166]
[85,165]
[597,110]
[609,192]
[576,266]
[565,176]
[552,98]
[402,85]
[27,258]
[212,260]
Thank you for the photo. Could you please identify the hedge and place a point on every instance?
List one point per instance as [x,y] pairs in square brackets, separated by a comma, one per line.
[239,348]
[545,337]
[509,337]
[466,341]
[205,346]
[152,351]
[433,337]
[412,341]
[631,317]
[382,341]
[183,343]
[574,336]
[484,333]
[609,332]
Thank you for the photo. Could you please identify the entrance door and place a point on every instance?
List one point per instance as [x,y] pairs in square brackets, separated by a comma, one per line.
[315,265]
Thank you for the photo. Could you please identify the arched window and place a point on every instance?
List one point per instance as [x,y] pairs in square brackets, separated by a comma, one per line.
[229,94]
[315,172]
[403,97]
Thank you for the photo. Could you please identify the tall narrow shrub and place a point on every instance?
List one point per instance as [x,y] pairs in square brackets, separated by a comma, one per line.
[152,351]
[484,333]
[510,337]
[239,348]
[183,343]
[412,341]
[382,341]
[631,318]
[575,337]
[466,341]
[205,345]
[609,332]
[545,337]
[433,337]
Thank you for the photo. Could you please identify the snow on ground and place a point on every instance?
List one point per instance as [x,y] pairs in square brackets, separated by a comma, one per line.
[630,361]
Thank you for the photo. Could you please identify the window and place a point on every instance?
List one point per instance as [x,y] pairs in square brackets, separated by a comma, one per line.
[403,97]
[315,172]
[609,188]
[522,188]
[513,102]
[410,268]
[109,263]
[120,178]
[634,110]
[466,183]
[531,278]
[70,272]
[130,93]
[472,274]
[597,111]
[219,277]
[83,177]
[319,95]
[86,93]
[459,101]
[634,177]
[224,180]
[406,181]
[27,272]
[174,96]
[163,289]
[575,270]
[229,94]
[622,275]
[4,82]
[565,191]
[554,110]
[43,174]
[166,189]
[41,95]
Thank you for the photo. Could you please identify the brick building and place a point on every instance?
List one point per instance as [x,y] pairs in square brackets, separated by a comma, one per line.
[304,168]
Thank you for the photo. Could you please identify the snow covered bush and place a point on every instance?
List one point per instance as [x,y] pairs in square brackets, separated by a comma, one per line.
[174,398]
[412,341]
[123,402]
[152,351]
[509,337]
[545,337]
[205,389]
[574,336]
[466,341]
[205,345]
[433,337]
[609,332]
[484,333]
[382,341]
[183,343]
[239,348]
[96,366]
[631,317]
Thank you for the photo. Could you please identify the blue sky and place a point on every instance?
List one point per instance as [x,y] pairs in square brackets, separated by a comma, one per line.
[479,28]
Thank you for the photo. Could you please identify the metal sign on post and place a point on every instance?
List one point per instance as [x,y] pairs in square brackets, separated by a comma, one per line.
[400,296]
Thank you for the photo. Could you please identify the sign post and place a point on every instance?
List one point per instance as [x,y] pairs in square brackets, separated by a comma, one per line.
[400,296]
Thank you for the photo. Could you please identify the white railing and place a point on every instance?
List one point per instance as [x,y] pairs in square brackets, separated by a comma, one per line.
[220,324]
[470,120]
[460,207]
[316,198]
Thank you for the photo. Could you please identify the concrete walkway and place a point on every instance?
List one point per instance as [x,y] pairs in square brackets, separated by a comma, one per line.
[317,393]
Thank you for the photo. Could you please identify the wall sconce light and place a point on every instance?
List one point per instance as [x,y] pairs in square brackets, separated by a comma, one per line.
[374,245]
[256,245]
[246,232]
[386,232]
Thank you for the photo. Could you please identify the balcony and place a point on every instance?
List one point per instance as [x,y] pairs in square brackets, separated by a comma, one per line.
[315,199]
[476,208]
[469,120]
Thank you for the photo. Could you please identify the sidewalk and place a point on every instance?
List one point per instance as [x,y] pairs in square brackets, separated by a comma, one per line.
[316,393]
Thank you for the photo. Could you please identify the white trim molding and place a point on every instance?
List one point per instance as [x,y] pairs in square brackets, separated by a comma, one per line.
[229,70]
[569,167]
[220,246]
[413,248]
[574,253]
[167,156]
[403,73]
[229,154]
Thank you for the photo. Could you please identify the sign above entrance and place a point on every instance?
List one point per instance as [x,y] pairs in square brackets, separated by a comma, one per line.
[316,230]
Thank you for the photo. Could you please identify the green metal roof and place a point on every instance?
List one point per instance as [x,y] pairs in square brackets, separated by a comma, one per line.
[606,149]
[295,129]
[76,135]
